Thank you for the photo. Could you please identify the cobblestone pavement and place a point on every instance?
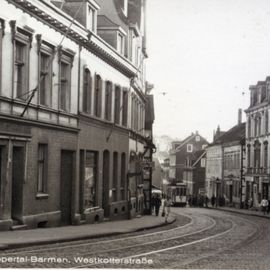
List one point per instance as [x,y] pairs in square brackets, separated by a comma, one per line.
[199,239]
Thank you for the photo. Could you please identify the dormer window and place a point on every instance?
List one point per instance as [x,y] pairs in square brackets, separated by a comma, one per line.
[91,19]
[120,43]
[124,6]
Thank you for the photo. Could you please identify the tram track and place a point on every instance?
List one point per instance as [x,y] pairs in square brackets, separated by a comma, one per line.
[98,242]
[180,242]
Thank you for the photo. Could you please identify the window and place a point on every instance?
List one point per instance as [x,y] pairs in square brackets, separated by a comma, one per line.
[120,43]
[108,101]
[125,108]
[45,76]
[123,175]
[90,179]
[248,155]
[21,70]
[66,59]
[117,105]
[197,138]
[189,148]
[203,162]
[91,19]
[22,44]
[266,121]
[42,168]
[257,155]
[97,96]
[265,155]
[115,175]
[64,86]
[87,91]
[249,127]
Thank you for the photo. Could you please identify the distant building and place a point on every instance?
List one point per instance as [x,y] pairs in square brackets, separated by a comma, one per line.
[225,163]
[194,174]
[257,143]
[182,156]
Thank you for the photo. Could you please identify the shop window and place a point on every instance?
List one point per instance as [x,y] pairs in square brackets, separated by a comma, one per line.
[108,100]
[87,91]
[90,179]
[42,168]
[97,96]
[117,105]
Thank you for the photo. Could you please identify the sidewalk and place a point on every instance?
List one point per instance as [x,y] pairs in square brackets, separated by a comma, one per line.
[250,212]
[23,238]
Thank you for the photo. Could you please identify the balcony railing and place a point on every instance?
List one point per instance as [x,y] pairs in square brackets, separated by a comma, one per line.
[257,170]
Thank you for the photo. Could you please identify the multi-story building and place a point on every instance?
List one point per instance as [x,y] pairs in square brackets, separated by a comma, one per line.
[225,163]
[72,111]
[194,174]
[213,171]
[182,157]
[257,143]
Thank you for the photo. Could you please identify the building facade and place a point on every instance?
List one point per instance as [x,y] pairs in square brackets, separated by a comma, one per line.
[182,156]
[257,143]
[225,167]
[72,111]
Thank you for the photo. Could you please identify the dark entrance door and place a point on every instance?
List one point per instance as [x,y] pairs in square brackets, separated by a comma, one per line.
[105,181]
[230,193]
[17,182]
[265,190]
[67,173]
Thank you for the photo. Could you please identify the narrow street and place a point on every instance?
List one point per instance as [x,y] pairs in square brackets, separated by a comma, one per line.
[199,239]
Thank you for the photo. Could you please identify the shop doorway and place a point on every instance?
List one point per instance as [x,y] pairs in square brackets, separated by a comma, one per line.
[17,183]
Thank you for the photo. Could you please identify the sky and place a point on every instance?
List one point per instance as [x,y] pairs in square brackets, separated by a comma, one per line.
[203,56]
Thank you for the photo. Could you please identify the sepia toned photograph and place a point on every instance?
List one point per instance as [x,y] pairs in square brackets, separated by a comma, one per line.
[134,134]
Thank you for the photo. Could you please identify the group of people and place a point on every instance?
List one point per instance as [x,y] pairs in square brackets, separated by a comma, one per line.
[157,203]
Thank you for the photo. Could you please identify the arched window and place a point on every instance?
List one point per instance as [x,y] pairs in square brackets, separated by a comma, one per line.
[257,155]
[87,90]
[266,155]
[117,96]
[108,100]
[97,96]
[249,126]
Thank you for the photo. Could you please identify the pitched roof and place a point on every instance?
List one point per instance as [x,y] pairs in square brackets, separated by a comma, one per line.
[236,133]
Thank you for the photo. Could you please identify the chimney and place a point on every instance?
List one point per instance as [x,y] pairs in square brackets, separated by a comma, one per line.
[239,116]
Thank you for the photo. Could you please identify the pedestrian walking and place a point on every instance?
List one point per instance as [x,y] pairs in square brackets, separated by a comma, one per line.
[157,202]
[264,205]
[167,207]
[213,200]
[206,200]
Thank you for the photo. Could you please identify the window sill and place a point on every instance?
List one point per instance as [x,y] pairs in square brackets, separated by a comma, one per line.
[41,196]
